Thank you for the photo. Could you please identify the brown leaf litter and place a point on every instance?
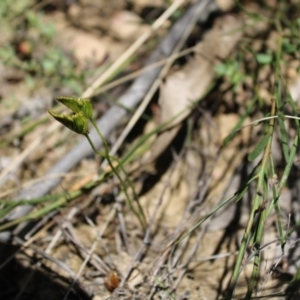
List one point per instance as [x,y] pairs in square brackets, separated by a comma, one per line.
[175,191]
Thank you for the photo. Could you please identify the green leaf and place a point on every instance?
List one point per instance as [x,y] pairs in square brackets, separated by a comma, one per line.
[264,58]
[78,105]
[76,122]
[221,69]
[259,148]
[49,67]
[288,47]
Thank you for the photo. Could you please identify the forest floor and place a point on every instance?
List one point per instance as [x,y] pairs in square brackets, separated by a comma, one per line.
[201,200]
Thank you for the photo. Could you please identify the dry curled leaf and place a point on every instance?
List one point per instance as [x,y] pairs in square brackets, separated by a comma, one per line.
[184,87]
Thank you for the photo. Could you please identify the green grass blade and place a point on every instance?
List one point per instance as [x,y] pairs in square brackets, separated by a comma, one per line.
[8,206]
[237,196]
[259,147]
[290,163]
[283,132]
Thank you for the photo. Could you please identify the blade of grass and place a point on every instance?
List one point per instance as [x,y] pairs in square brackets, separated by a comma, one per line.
[39,213]
[62,200]
[257,239]
[260,147]
[140,212]
[277,191]
[237,196]
[257,206]
[6,207]
[283,134]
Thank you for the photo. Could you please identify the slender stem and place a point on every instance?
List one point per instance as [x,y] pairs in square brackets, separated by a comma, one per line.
[93,147]
[140,213]
[257,206]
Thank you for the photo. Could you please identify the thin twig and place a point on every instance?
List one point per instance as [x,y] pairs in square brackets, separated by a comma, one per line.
[88,257]
[139,72]
[138,43]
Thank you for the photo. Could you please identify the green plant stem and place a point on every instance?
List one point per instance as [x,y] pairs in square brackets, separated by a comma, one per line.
[58,202]
[256,207]
[140,213]
[260,206]
[41,212]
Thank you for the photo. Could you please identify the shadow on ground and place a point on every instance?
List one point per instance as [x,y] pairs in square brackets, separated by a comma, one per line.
[26,281]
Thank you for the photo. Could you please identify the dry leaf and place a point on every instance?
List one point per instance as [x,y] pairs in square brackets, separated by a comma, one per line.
[127,25]
[189,84]
[225,5]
